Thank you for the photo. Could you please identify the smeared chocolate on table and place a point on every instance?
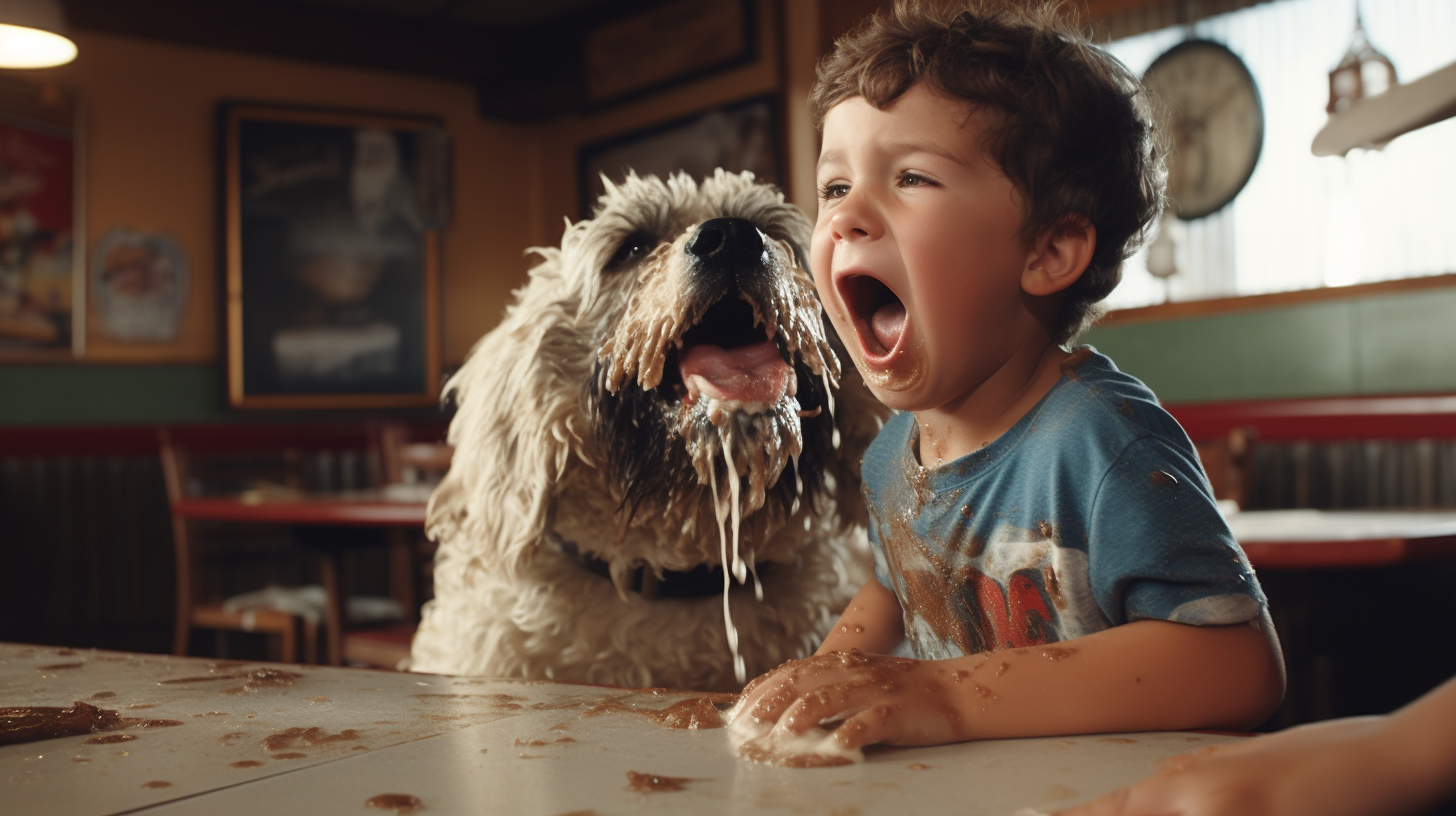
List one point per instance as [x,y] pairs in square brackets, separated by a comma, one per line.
[32,723]
[401,803]
[655,783]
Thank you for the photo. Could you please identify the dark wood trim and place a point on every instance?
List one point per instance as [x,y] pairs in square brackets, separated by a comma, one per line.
[1215,307]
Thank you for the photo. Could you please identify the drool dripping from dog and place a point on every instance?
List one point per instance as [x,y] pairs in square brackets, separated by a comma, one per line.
[740,406]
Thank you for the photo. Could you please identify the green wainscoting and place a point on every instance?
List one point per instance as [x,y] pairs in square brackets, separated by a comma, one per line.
[1399,343]
[32,394]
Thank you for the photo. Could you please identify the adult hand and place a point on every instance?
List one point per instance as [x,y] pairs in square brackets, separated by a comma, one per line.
[880,699]
[1338,768]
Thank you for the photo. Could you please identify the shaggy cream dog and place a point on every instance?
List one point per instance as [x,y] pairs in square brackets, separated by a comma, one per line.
[662,400]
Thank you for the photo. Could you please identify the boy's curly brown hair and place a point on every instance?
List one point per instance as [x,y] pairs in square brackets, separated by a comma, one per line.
[1072,127]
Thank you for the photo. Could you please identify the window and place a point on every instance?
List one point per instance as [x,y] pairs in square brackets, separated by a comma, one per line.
[1303,221]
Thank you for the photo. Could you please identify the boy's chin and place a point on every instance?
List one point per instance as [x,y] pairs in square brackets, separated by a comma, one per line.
[896,385]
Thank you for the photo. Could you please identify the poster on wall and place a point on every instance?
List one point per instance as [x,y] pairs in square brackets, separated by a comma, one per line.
[740,136]
[39,308]
[333,257]
[140,283]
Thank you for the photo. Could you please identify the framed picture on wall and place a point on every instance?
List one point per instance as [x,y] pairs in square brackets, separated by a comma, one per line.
[741,136]
[332,248]
[665,46]
[42,283]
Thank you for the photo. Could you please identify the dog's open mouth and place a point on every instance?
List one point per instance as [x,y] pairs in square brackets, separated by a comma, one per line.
[725,357]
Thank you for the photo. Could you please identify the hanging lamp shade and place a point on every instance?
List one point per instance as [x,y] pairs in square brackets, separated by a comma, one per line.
[1361,73]
[33,34]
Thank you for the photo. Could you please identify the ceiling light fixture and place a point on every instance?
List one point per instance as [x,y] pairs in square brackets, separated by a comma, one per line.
[33,35]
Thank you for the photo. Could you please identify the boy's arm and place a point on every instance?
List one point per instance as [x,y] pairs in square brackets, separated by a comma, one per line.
[1360,766]
[872,623]
[1142,676]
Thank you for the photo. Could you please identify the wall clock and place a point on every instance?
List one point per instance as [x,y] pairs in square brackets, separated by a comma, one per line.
[1210,124]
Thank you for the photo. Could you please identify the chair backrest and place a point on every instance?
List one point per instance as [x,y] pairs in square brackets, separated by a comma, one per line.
[409,460]
[200,460]
[1226,461]
[219,459]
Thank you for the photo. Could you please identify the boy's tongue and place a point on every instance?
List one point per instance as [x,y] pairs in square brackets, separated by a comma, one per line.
[746,374]
[887,323]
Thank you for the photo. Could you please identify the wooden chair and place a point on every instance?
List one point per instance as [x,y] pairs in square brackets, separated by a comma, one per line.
[412,466]
[1226,461]
[200,460]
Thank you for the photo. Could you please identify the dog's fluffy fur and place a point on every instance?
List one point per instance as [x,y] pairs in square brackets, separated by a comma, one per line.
[588,467]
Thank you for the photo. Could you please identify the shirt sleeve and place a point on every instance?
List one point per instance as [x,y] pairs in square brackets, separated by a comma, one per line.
[1158,548]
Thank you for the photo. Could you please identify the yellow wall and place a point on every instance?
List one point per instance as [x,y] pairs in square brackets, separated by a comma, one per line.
[150,153]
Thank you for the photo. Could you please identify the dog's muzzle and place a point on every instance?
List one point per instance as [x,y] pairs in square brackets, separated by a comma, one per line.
[721,246]
[727,254]
[713,349]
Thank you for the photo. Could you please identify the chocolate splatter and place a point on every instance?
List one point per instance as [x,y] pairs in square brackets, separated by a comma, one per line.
[655,783]
[401,803]
[31,723]
[1162,478]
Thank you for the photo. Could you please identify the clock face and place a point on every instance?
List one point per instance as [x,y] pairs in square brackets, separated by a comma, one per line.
[1210,124]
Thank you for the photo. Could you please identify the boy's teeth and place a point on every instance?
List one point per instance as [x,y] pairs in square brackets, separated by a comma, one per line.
[887,323]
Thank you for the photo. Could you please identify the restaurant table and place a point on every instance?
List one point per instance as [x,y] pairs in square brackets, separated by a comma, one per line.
[1283,539]
[328,525]
[1289,548]
[219,738]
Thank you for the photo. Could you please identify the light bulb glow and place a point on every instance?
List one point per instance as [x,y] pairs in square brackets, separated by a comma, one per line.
[22,47]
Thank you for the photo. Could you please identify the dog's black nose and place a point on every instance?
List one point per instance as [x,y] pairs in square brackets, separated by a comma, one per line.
[726,243]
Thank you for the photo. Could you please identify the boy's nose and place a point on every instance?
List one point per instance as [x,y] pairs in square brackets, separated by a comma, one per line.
[849,226]
[851,220]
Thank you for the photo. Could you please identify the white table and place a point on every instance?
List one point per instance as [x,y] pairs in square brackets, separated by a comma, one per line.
[1300,539]
[1289,547]
[476,746]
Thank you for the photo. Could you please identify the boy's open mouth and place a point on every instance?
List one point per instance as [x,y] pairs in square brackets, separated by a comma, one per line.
[878,314]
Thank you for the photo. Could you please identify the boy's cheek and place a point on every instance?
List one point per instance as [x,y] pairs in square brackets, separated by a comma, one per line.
[838,319]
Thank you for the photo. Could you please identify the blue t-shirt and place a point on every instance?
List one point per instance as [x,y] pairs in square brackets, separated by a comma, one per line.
[1092,511]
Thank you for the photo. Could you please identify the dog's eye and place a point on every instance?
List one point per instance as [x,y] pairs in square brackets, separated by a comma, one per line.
[632,249]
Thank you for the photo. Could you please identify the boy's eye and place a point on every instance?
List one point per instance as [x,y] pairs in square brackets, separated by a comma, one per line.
[829,191]
[912,180]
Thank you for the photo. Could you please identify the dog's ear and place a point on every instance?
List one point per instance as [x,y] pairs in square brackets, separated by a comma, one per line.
[514,429]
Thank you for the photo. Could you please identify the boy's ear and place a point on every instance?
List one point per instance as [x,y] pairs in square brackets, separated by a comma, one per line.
[1059,256]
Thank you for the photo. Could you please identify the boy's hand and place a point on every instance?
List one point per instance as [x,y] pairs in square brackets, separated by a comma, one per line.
[1333,768]
[880,699]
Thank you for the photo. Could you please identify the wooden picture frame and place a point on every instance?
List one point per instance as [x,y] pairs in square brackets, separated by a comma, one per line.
[332,251]
[740,136]
[666,46]
[42,228]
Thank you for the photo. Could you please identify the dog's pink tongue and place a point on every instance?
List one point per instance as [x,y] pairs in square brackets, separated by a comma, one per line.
[746,374]
[887,323]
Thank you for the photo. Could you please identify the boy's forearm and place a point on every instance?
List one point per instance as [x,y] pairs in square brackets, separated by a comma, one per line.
[1421,734]
[872,623]
[1143,676]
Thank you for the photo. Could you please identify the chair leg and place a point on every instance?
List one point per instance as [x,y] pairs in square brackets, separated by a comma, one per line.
[181,634]
[288,643]
[402,571]
[334,607]
[310,641]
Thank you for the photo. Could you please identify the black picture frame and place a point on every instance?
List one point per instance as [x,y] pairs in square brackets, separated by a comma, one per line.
[743,135]
[332,226]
